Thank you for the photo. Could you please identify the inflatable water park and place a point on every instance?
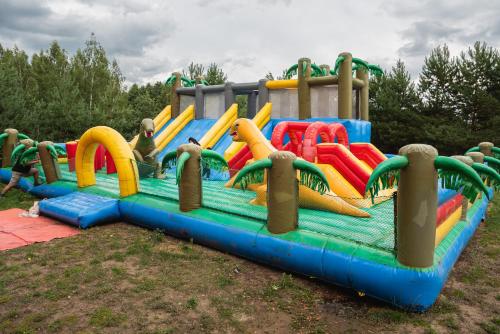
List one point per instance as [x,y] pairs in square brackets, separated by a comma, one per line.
[296,184]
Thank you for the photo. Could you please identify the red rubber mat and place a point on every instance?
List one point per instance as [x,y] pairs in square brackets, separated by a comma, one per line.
[16,231]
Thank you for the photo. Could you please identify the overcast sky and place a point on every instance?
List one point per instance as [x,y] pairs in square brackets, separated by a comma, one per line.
[152,38]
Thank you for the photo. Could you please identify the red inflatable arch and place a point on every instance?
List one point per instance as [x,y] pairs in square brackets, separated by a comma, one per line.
[295,131]
[327,133]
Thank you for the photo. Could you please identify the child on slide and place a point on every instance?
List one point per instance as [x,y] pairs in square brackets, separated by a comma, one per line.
[21,170]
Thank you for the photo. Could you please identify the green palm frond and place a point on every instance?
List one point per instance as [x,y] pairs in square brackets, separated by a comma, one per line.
[493,163]
[253,173]
[456,175]
[52,151]
[3,136]
[375,70]
[338,62]
[60,150]
[28,155]
[496,152]
[16,153]
[181,161]
[213,160]
[385,175]
[472,149]
[311,176]
[169,160]
[488,175]
[292,70]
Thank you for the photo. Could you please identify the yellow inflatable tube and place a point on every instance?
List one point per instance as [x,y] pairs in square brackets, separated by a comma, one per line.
[261,119]
[117,146]
[282,84]
[159,121]
[446,226]
[220,127]
[174,128]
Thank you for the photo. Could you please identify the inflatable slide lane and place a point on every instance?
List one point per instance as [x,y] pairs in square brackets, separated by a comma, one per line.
[160,121]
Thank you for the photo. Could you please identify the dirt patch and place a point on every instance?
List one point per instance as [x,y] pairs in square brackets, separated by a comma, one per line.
[124,279]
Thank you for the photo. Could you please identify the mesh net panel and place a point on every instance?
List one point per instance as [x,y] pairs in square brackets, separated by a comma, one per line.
[377,231]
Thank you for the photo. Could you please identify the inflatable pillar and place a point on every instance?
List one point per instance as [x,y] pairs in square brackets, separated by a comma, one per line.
[71,147]
[417,203]
[49,164]
[485,148]
[174,97]
[345,87]
[282,193]
[362,74]
[8,146]
[190,191]
[476,156]
[263,95]
[303,74]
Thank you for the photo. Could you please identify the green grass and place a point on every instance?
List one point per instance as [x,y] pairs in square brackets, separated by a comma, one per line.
[16,199]
[125,279]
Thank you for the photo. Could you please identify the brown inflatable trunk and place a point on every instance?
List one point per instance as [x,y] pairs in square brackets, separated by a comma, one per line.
[417,202]
[8,145]
[485,148]
[476,156]
[304,92]
[345,87]
[362,74]
[283,193]
[49,164]
[175,99]
[190,191]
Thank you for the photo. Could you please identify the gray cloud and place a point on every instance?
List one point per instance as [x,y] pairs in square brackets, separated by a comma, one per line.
[152,38]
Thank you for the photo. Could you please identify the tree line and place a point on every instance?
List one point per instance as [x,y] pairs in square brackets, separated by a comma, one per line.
[453,104]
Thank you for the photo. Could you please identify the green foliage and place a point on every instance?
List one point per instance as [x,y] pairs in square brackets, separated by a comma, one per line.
[456,175]
[386,175]
[213,160]
[311,176]
[181,161]
[253,173]
[454,106]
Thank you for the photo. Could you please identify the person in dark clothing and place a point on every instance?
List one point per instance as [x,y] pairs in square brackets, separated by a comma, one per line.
[21,170]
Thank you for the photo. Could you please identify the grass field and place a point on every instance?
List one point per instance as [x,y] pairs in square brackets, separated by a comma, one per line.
[120,278]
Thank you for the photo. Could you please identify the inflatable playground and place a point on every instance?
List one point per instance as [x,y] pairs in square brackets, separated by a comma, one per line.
[296,184]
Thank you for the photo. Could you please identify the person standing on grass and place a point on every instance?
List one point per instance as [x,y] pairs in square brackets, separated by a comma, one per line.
[21,170]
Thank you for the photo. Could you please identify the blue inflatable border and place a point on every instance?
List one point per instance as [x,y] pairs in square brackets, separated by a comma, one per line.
[408,288]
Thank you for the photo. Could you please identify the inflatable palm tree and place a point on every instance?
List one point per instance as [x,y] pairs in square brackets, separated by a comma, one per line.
[282,186]
[416,171]
[8,141]
[189,159]
[487,148]
[27,151]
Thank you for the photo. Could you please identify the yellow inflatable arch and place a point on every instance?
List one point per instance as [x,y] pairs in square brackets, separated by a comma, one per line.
[119,149]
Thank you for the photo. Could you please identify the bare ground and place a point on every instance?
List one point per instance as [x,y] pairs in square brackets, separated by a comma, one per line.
[120,278]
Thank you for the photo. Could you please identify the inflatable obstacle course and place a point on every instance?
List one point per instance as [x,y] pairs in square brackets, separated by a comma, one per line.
[306,191]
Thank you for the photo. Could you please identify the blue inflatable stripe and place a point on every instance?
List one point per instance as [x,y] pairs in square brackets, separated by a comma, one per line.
[81,209]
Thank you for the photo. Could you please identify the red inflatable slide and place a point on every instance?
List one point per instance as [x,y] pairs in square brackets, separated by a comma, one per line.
[345,163]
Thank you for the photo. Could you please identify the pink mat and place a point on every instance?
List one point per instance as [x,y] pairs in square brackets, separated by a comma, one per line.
[18,231]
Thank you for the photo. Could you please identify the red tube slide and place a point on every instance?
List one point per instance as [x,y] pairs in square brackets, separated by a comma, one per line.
[368,153]
[345,163]
[447,208]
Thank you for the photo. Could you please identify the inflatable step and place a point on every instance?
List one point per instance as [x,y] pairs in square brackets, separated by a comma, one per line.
[81,209]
